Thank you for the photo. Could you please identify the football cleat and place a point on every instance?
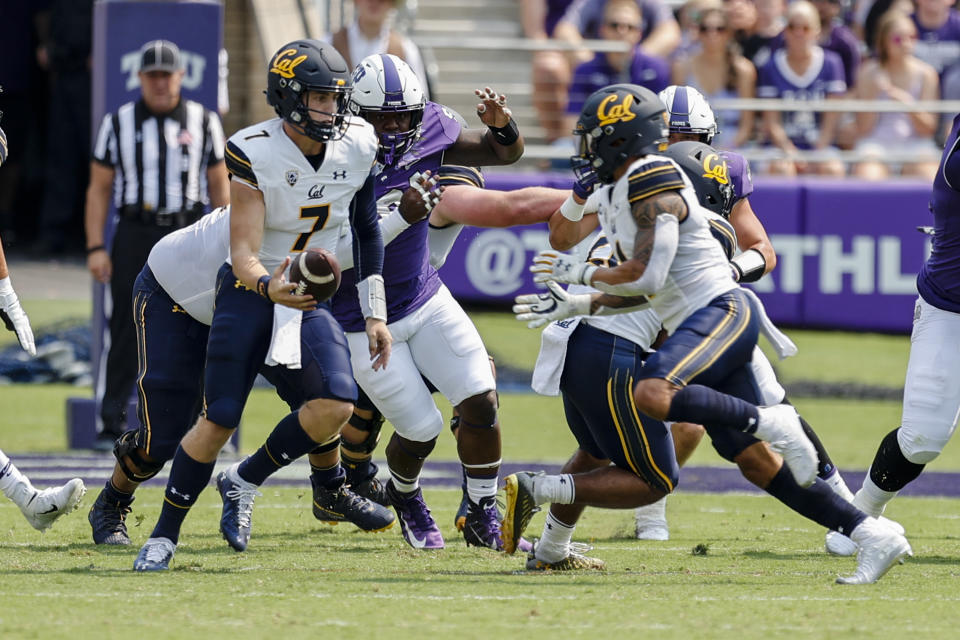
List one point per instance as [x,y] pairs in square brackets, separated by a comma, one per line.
[838,544]
[155,555]
[780,427]
[343,505]
[460,519]
[371,489]
[416,524]
[520,508]
[108,520]
[880,548]
[482,524]
[651,521]
[575,560]
[44,507]
[238,496]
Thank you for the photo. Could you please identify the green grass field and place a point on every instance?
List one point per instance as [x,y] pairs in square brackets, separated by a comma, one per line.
[761,571]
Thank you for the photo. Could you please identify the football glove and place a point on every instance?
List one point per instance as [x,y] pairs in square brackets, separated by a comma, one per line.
[560,267]
[538,309]
[14,318]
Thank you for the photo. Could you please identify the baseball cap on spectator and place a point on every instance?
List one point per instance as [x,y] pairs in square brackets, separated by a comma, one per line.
[160,55]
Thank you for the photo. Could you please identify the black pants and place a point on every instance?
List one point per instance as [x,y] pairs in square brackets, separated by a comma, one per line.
[131,246]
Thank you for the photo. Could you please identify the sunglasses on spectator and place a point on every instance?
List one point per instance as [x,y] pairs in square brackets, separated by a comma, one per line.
[797,26]
[625,26]
[716,28]
[900,38]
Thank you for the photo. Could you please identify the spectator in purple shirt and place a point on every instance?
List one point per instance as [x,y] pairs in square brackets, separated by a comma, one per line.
[837,37]
[938,33]
[802,70]
[621,21]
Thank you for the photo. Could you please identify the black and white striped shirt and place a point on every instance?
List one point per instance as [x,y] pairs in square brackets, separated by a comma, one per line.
[161,162]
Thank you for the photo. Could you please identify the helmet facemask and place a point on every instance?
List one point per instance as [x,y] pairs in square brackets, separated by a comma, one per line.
[392,146]
[301,115]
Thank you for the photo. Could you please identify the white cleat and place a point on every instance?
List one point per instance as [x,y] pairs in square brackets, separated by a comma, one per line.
[651,521]
[780,426]
[838,544]
[46,506]
[880,548]
[155,555]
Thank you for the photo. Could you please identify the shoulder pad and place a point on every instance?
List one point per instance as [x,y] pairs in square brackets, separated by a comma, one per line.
[653,177]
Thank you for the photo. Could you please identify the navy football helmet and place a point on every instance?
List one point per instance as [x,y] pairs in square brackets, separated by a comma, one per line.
[383,83]
[707,170]
[616,123]
[303,66]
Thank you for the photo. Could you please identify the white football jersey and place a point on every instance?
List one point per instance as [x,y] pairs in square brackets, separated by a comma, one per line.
[699,272]
[185,262]
[305,208]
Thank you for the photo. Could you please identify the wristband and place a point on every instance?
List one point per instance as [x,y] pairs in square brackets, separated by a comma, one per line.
[586,276]
[99,247]
[373,298]
[263,287]
[749,265]
[571,210]
[506,135]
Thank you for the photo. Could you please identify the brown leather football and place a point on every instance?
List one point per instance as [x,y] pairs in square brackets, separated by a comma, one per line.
[316,272]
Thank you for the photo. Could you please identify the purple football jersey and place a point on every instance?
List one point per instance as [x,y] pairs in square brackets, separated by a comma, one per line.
[939,48]
[939,279]
[823,78]
[842,42]
[738,172]
[409,279]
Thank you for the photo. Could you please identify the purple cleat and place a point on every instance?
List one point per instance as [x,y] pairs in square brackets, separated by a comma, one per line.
[482,524]
[416,524]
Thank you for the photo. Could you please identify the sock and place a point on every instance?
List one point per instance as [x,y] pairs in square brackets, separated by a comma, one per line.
[835,480]
[871,498]
[702,405]
[14,484]
[187,479]
[555,540]
[817,502]
[405,485]
[559,489]
[357,469]
[114,494]
[891,471]
[287,442]
[481,480]
[330,478]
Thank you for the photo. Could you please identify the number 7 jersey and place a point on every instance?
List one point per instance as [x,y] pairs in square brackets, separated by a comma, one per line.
[305,207]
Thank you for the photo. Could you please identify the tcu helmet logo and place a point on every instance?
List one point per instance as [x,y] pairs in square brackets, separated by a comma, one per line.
[194,66]
[285,62]
[715,168]
[608,113]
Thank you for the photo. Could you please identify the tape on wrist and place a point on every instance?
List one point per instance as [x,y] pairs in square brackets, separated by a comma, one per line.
[373,298]
[571,210]
[750,265]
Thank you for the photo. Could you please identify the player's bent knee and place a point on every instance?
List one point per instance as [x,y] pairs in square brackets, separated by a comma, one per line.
[369,427]
[652,399]
[224,413]
[479,410]
[322,418]
[919,448]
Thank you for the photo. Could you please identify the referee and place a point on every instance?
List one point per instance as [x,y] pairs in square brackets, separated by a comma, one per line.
[160,157]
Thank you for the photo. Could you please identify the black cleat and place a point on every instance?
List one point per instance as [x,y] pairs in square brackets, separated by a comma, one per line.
[345,505]
[108,520]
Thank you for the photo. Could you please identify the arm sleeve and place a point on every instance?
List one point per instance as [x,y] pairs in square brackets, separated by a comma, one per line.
[655,275]
[365,228]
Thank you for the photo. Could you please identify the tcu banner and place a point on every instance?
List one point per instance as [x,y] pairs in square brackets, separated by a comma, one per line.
[120,28]
[848,252]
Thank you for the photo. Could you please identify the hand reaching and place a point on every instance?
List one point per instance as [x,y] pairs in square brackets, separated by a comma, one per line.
[538,309]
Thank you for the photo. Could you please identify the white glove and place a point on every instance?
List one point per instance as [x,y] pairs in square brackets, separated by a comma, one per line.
[538,309]
[14,317]
[560,267]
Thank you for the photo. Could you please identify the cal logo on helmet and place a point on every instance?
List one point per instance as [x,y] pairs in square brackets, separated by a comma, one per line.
[609,113]
[285,62]
[715,168]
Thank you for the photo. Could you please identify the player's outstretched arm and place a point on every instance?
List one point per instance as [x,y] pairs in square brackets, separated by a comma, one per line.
[13,316]
[478,207]
[500,143]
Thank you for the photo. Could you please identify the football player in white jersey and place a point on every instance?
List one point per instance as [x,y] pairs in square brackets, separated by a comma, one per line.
[295,180]
[701,373]
[40,508]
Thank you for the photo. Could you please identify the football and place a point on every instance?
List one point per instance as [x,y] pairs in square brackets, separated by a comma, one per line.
[316,272]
